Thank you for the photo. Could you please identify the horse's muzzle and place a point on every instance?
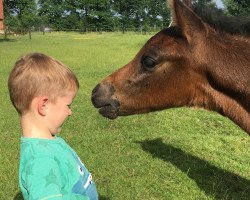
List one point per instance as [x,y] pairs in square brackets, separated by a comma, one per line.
[104,99]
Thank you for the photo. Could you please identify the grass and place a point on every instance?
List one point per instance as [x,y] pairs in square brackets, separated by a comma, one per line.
[173,154]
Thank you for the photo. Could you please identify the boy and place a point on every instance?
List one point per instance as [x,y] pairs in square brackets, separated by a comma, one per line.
[42,90]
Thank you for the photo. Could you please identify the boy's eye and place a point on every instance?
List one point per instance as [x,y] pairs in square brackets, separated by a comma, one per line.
[69,106]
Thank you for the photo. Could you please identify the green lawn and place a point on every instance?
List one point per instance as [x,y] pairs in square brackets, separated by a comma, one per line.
[174,154]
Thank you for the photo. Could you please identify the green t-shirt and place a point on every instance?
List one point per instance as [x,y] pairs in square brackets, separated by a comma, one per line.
[50,169]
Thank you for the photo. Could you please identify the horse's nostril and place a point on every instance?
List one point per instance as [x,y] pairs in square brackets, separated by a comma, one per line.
[96,88]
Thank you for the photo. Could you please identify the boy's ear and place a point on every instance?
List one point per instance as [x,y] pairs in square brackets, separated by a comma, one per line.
[42,105]
[183,16]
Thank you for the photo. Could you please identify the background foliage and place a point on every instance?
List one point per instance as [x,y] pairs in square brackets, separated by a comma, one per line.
[108,15]
[237,7]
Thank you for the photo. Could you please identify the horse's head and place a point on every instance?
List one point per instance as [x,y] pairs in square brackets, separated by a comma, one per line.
[160,74]
[190,63]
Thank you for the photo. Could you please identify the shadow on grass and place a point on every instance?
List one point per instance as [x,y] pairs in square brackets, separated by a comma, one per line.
[215,182]
[101,197]
[7,40]
[19,196]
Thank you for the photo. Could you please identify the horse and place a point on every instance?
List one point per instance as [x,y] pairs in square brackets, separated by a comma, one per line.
[199,61]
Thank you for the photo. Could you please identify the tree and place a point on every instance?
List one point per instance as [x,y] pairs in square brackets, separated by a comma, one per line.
[54,13]
[20,14]
[159,13]
[10,21]
[71,14]
[84,10]
[237,7]
[141,11]
[127,12]
[101,12]
[26,10]
[141,14]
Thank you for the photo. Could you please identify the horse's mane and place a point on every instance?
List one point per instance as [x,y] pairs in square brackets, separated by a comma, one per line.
[236,25]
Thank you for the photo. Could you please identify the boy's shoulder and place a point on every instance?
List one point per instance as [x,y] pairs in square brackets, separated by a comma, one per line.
[37,148]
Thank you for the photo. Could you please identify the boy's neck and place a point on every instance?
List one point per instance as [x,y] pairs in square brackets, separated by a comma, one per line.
[38,135]
[33,128]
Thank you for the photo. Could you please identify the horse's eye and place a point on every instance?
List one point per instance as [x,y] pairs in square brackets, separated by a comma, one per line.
[148,62]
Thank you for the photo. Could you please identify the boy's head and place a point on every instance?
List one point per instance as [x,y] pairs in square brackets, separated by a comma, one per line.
[36,75]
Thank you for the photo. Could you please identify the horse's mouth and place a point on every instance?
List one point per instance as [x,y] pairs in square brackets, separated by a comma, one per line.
[108,108]
[103,98]
[109,111]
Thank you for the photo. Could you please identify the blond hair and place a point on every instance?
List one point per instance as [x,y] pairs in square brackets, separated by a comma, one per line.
[37,74]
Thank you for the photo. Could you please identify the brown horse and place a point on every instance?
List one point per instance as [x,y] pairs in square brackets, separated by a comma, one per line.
[199,61]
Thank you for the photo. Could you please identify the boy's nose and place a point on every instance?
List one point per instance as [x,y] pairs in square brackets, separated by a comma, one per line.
[70,112]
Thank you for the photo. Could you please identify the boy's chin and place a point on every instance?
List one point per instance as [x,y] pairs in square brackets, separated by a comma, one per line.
[58,130]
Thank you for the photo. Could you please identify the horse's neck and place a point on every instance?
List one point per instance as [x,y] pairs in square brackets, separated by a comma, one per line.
[227,106]
[227,86]
[228,70]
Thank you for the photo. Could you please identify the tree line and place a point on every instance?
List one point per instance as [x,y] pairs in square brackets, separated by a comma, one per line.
[106,15]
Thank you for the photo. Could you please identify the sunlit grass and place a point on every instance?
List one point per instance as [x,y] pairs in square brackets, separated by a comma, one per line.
[173,154]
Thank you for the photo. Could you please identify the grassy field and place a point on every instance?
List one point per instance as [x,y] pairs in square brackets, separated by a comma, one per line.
[174,154]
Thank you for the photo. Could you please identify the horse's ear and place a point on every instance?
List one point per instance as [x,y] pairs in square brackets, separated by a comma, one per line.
[184,17]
